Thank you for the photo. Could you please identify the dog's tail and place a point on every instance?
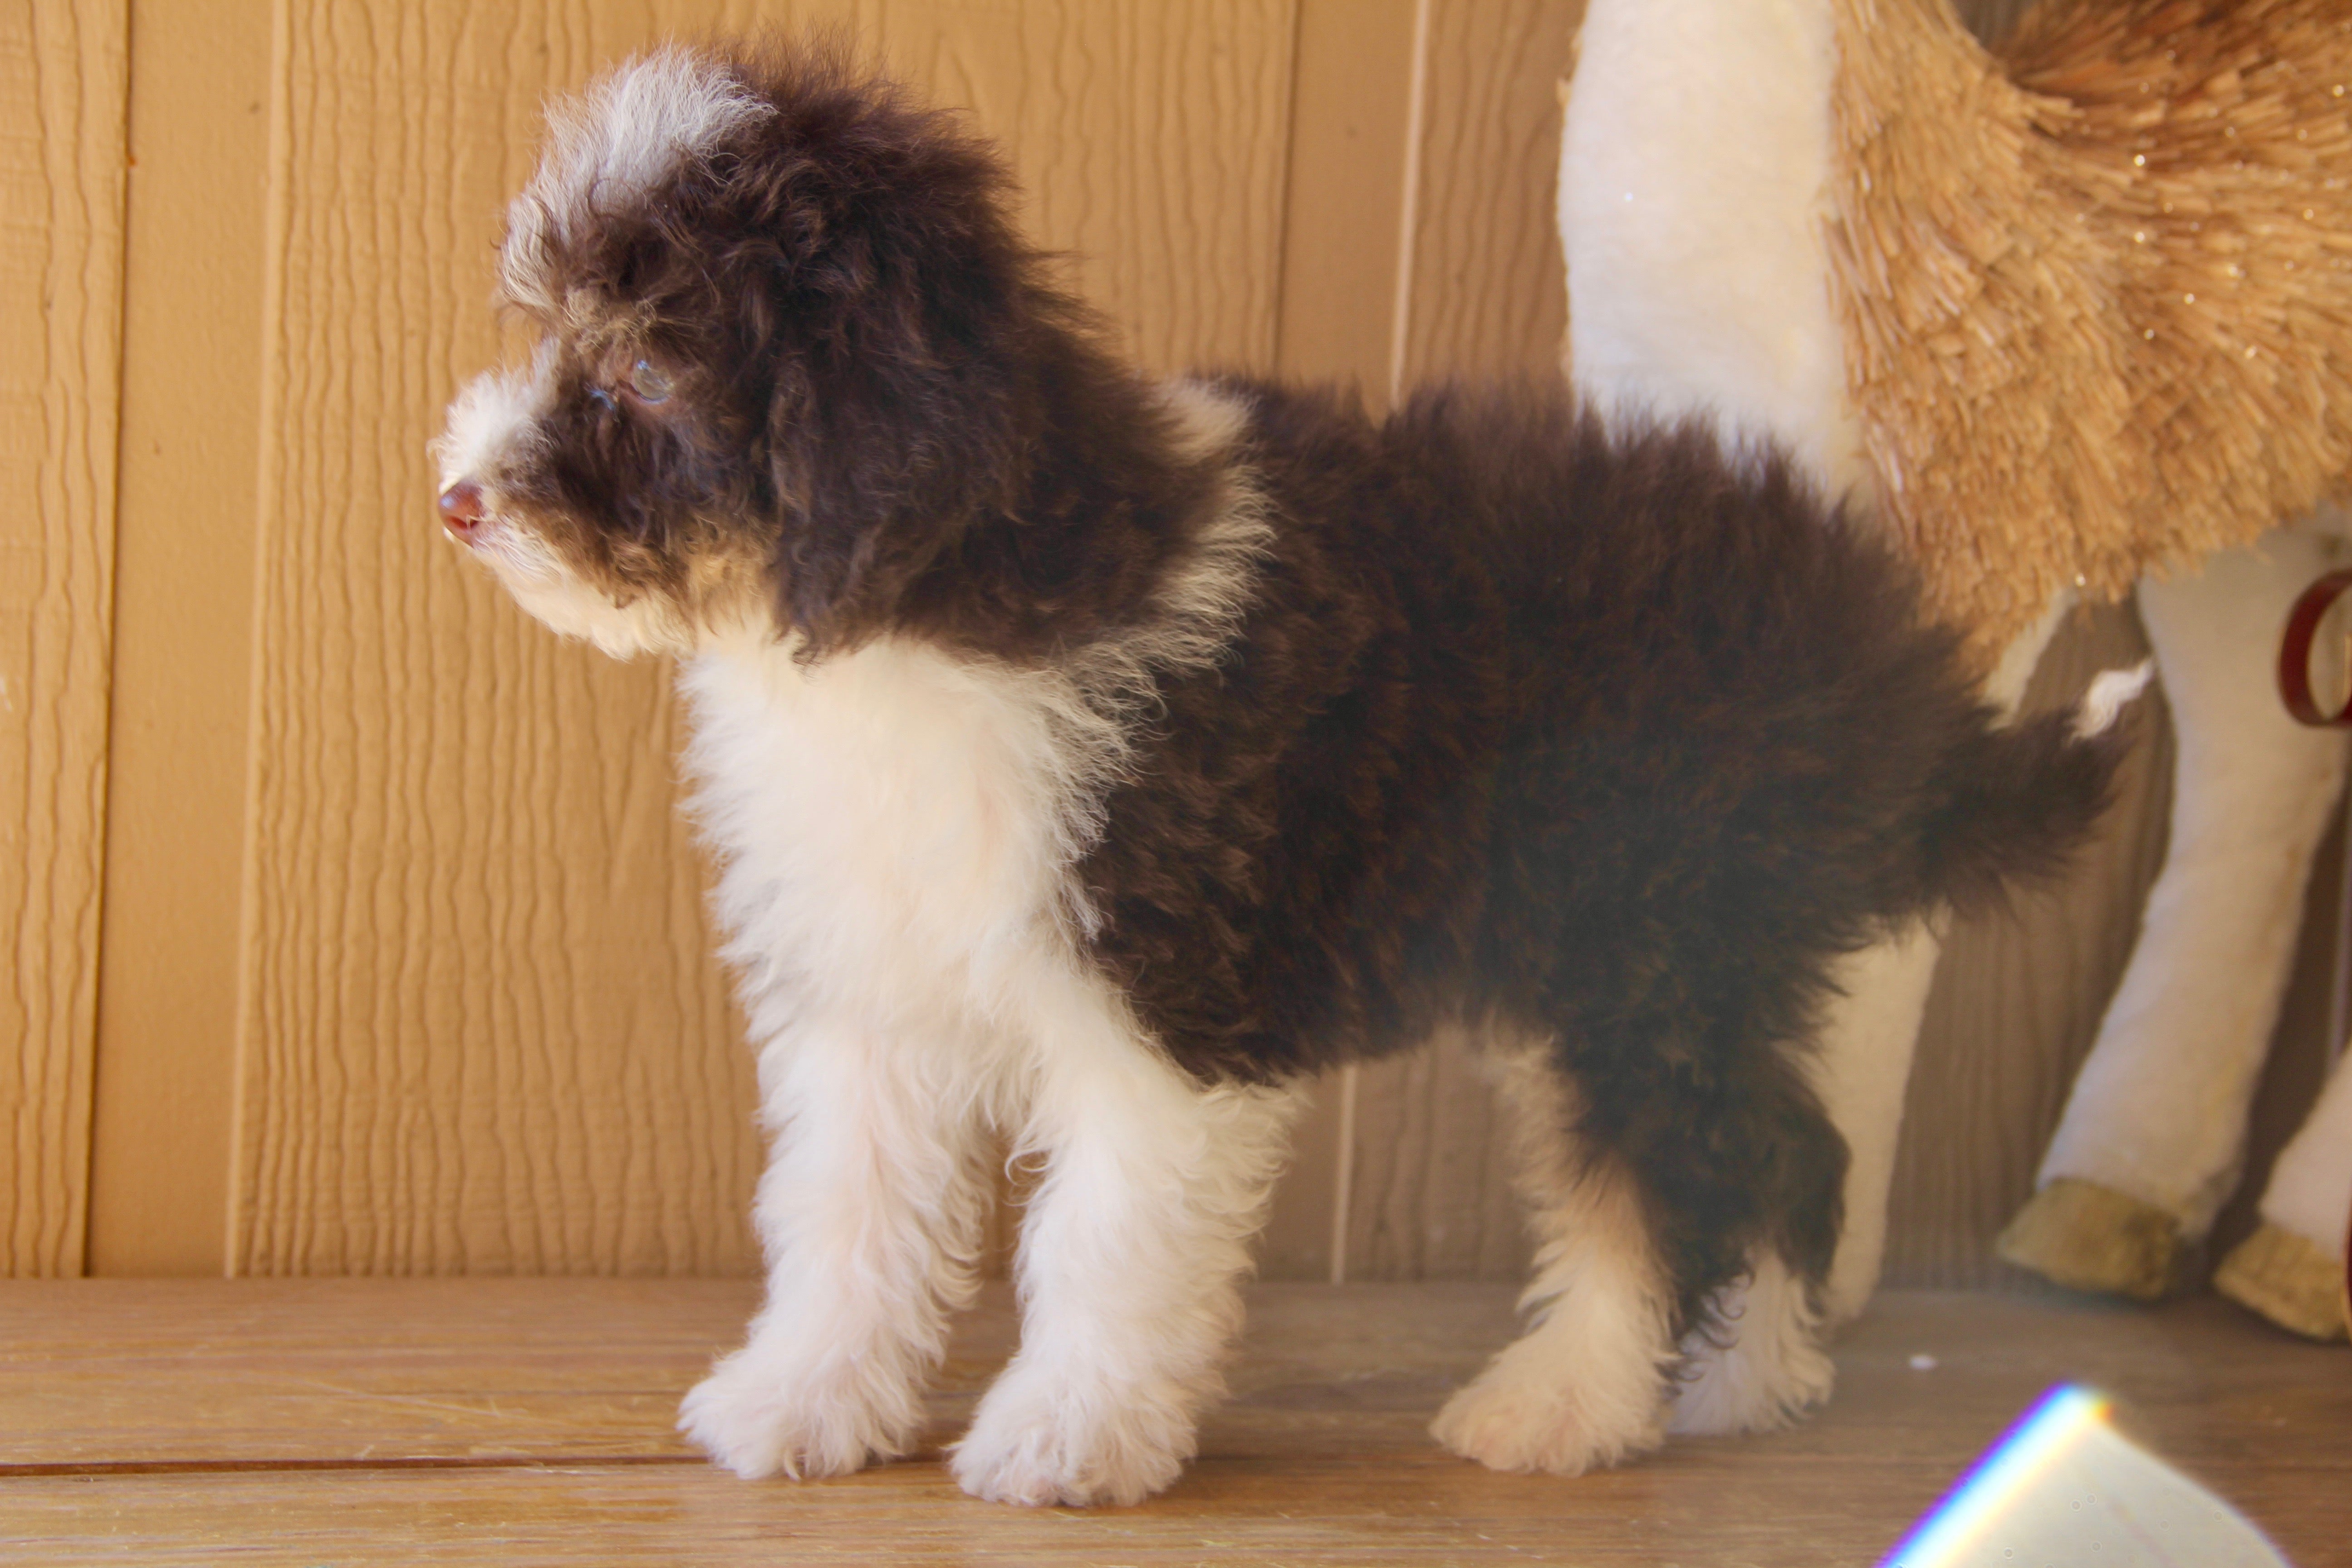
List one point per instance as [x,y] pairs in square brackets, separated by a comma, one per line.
[2019,801]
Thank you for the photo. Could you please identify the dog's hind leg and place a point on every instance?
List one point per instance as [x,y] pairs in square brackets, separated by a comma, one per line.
[1586,1384]
[1759,1162]
[1637,1201]
[1132,1255]
[870,1214]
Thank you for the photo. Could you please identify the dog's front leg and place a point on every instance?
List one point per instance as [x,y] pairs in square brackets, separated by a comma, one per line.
[870,1215]
[1131,1260]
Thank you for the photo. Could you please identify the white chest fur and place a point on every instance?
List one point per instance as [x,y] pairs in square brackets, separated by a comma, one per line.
[893,828]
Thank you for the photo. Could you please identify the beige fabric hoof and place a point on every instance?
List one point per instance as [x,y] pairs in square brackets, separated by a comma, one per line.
[2086,1237]
[2289,1280]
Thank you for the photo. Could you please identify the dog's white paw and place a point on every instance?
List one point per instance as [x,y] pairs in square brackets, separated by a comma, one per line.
[1035,1444]
[761,1415]
[1518,1414]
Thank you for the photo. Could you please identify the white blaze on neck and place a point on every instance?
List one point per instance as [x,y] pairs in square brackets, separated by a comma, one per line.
[1694,181]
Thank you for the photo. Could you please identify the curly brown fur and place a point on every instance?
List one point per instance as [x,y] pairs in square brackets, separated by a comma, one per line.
[1324,733]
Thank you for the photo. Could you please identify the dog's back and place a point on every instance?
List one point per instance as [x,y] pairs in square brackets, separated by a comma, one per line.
[1516,689]
[1607,739]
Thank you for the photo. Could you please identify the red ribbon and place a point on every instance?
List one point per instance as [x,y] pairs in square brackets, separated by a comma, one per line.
[2295,652]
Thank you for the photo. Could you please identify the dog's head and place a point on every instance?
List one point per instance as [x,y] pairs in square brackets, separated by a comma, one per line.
[787,353]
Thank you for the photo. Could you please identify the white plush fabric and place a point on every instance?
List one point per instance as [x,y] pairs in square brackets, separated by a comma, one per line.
[2158,1111]
[2310,1190]
[1693,163]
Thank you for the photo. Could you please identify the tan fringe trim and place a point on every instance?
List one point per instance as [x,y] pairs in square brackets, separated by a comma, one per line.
[2097,294]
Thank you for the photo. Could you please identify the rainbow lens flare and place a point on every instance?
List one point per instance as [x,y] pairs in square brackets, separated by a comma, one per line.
[2062,1489]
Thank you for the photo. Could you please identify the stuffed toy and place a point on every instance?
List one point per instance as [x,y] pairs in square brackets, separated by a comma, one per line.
[2291,1269]
[2067,320]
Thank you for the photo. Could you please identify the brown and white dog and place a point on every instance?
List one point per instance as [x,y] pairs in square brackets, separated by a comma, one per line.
[1092,759]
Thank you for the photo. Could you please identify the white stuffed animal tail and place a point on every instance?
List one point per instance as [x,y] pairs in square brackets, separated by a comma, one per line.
[2110,694]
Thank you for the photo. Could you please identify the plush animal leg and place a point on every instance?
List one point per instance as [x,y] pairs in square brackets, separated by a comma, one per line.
[1870,1029]
[2154,1129]
[869,1213]
[1586,1384]
[2291,1271]
[1132,1261]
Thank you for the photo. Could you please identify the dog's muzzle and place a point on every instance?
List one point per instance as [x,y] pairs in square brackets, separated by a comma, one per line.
[462,512]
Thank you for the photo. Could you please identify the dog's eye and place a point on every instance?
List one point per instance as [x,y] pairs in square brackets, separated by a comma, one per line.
[648,381]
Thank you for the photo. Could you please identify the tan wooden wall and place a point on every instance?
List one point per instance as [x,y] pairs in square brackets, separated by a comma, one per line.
[403,964]
[428,984]
[61,168]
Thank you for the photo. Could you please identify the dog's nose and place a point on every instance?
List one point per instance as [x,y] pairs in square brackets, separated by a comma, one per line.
[461,509]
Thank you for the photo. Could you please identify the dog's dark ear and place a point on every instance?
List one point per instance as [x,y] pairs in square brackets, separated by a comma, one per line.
[907,390]
[882,455]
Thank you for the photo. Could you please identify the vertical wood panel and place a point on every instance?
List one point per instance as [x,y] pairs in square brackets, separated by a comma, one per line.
[1433,1195]
[479,1030]
[183,640]
[1149,140]
[1490,292]
[1345,216]
[482,1030]
[62,163]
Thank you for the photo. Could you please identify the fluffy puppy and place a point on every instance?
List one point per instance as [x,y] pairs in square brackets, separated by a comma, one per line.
[1092,757]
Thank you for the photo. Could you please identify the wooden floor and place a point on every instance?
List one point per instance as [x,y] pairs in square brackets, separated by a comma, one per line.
[525,1422]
